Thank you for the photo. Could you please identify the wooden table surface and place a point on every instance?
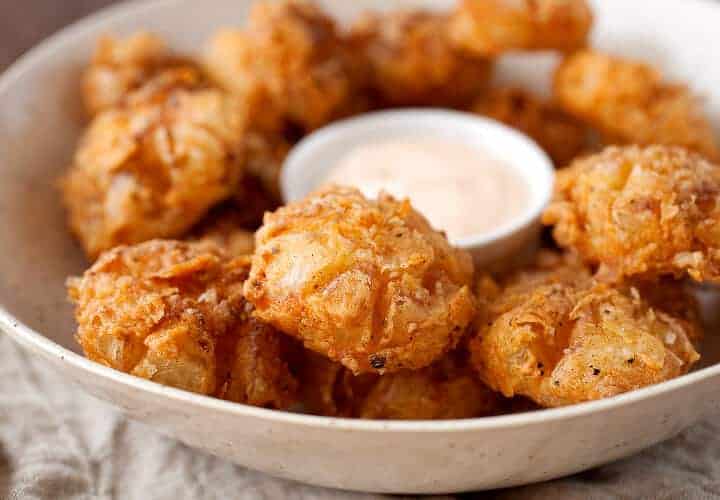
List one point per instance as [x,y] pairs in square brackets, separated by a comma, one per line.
[26,22]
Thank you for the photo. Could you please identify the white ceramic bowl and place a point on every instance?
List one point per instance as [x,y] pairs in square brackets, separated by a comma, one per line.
[310,162]
[40,120]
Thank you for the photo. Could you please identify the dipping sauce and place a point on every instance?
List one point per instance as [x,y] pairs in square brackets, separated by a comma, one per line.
[461,189]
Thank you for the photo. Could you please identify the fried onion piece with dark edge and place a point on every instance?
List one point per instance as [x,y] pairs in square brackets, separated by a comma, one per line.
[630,103]
[330,389]
[412,61]
[120,66]
[447,389]
[174,313]
[292,50]
[491,27]
[558,337]
[640,212]
[152,167]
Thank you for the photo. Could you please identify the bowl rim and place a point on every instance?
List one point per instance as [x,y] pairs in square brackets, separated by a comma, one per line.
[543,177]
[39,344]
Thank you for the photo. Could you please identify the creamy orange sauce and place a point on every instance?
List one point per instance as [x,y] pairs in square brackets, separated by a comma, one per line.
[461,189]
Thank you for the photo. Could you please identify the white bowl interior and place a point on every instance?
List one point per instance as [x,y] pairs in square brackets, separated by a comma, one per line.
[310,162]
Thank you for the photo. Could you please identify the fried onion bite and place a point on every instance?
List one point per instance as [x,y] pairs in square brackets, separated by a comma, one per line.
[174,313]
[446,389]
[630,103]
[559,134]
[412,60]
[120,66]
[559,340]
[294,51]
[154,166]
[367,283]
[641,212]
[491,27]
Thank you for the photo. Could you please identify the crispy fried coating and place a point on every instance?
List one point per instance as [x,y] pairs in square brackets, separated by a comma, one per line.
[292,50]
[491,27]
[497,296]
[412,61]
[677,299]
[631,104]
[174,313]
[258,371]
[227,228]
[446,389]
[641,212]
[559,134]
[154,166]
[367,283]
[559,340]
[120,66]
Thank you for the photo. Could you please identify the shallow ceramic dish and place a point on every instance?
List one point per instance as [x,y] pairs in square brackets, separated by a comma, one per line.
[40,120]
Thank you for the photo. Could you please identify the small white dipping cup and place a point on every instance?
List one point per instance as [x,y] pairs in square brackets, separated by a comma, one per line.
[310,161]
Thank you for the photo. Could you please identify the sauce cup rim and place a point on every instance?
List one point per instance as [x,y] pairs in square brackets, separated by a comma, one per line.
[301,174]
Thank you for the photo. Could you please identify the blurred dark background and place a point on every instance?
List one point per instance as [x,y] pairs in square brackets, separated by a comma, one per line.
[23,23]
